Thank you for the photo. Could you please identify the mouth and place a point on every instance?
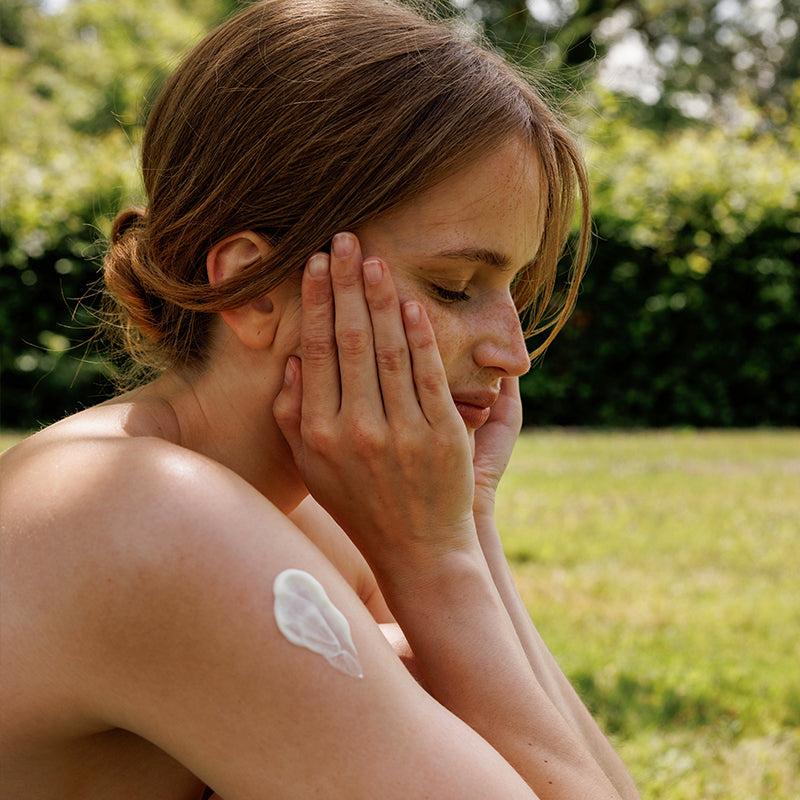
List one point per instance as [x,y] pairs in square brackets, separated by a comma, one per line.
[475,407]
[473,416]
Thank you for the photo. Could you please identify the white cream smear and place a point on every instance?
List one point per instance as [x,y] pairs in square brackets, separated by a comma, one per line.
[307,618]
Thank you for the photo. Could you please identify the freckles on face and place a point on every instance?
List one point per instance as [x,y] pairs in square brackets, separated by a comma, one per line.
[450,325]
[441,239]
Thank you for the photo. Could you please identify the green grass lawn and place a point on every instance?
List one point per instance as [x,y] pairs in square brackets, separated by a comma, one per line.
[661,569]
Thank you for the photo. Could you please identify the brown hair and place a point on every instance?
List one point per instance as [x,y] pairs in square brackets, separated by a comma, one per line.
[300,118]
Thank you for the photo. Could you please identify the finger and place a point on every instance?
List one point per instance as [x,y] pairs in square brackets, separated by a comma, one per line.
[509,387]
[354,342]
[320,367]
[287,408]
[391,347]
[509,401]
[429,375]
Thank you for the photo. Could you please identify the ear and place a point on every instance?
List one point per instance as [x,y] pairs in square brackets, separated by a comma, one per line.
[254,324]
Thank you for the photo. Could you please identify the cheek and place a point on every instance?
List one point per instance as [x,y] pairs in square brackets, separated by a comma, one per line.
[449,331]
[448,322]
[443,321]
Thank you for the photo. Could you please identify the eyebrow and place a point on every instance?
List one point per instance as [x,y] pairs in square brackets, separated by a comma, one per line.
[483,255]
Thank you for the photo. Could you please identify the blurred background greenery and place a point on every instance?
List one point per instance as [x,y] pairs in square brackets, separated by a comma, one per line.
[689,113]
[659,566]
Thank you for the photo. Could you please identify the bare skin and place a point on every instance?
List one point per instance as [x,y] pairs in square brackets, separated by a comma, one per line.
[58,543]
[58,754]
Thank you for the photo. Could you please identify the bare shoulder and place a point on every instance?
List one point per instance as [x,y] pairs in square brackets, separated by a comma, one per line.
[83,511]
[88,515]
[154,607]
[81,492]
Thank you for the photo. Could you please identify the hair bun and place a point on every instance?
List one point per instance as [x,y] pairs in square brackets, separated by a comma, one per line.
[126,272]
[127,220]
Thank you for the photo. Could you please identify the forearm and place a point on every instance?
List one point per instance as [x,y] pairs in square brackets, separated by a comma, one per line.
[546,669]
[470,659]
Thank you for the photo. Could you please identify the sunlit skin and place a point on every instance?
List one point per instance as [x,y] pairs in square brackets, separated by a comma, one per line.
[493,204]
[226,412]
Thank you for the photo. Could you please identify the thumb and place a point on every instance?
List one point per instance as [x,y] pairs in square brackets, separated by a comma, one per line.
[287,407]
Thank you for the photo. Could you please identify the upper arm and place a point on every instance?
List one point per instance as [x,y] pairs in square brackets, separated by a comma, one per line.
[323,530]
[187,654]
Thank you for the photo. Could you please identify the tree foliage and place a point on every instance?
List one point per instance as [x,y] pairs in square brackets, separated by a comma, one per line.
[68,156]
[727,62]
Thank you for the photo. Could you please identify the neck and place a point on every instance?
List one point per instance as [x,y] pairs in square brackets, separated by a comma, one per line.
[226,415]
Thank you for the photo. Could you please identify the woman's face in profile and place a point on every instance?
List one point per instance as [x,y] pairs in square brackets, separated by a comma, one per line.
[493,205]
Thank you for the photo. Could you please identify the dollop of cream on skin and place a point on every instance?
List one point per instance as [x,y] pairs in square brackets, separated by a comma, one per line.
[307,618]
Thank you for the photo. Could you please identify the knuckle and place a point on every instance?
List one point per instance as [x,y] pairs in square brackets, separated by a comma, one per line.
[429,382]
[445,444]
[391,358]
[346,277]
[318,348]
[353,341]
[407,453]
[424,341]
[318,293]
[383,302]
[318,438]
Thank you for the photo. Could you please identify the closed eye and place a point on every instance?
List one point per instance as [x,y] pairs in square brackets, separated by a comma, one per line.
[448,295]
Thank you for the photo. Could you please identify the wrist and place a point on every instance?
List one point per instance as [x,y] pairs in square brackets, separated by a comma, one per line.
[483,501]
[484,521]
[416,579]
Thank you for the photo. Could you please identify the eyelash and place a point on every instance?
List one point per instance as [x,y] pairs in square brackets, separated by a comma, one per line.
[448,295]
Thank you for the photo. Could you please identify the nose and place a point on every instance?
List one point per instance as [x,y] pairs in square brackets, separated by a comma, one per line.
[501,345]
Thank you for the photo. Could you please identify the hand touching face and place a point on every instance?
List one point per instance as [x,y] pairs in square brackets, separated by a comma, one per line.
[369,418]
[456,250]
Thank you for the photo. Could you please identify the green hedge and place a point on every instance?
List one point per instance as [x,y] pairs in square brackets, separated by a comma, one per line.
[689,313]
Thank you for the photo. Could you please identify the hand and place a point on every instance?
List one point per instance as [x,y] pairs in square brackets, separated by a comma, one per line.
[494,442]
[370,421]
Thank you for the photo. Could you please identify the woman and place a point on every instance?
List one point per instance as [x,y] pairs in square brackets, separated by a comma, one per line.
[161,550]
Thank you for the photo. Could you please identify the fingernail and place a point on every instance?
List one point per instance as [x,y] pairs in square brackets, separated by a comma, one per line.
[289,373]
[411,310]
[372,271]
[342,245]
[318,265]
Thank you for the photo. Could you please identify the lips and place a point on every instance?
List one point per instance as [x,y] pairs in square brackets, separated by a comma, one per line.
[475,407]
